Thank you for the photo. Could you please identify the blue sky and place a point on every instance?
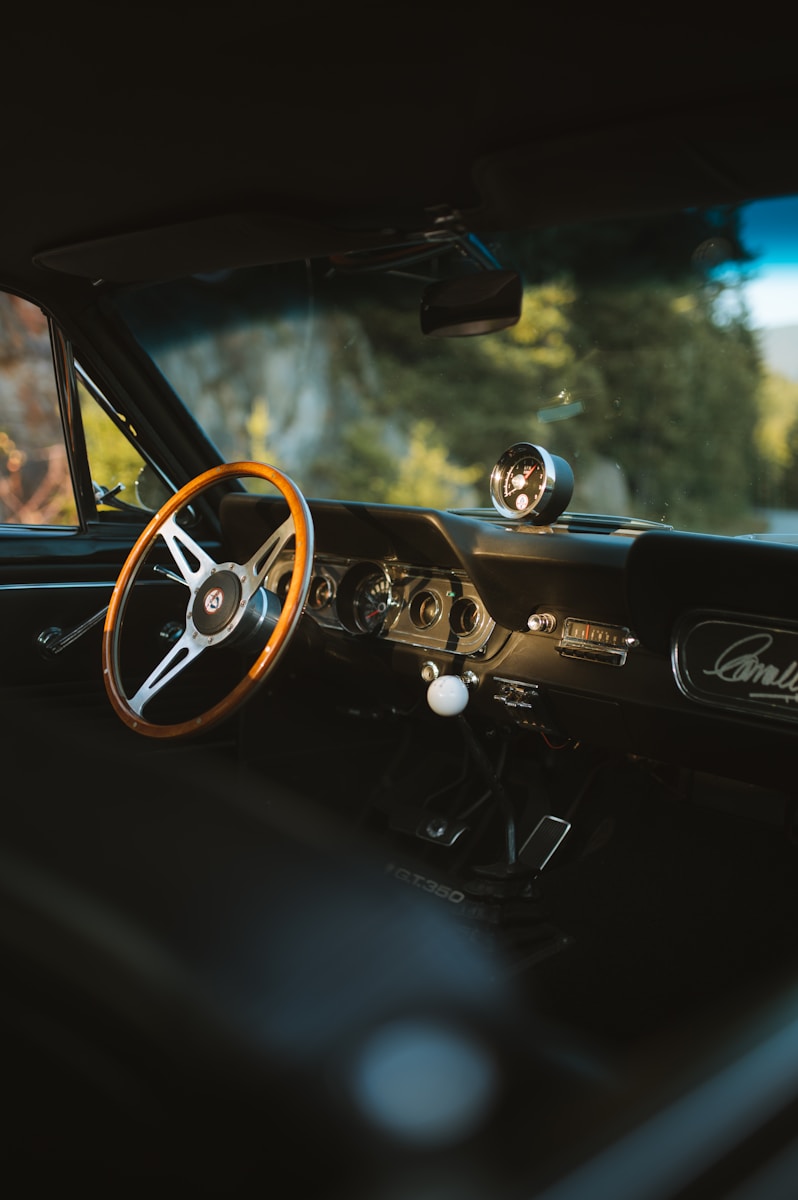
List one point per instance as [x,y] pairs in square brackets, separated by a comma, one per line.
[770,231]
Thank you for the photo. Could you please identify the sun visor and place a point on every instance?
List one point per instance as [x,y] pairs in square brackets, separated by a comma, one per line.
[201,246]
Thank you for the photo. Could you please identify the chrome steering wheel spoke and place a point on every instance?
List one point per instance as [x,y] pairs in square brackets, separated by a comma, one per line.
[174,662]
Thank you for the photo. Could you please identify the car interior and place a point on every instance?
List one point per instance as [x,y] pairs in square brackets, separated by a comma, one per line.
[399,576]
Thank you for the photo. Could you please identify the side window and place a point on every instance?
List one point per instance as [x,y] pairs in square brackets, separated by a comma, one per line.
[122,480]
[35,483]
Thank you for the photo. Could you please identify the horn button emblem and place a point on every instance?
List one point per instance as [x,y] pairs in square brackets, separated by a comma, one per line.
[216,603]
[213,600]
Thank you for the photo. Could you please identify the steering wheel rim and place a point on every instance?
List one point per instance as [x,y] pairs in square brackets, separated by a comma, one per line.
[249,575]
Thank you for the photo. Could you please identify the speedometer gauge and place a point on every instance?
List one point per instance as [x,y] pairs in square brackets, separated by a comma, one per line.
[371,601]
[530,484]
[365,600]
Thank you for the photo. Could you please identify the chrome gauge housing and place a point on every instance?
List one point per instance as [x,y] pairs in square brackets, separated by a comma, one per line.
[529,484]
[365,599]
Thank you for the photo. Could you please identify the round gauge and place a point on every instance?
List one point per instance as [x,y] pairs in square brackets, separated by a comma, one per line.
[530,484]
[283,584]
[465,616]
[321,591]
[425,608]
[365,598]
[371,601]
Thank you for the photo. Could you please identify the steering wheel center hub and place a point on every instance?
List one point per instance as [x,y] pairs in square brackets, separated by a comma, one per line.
[216,602]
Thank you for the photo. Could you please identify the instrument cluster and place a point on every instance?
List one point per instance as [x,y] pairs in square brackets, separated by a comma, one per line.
[435,610]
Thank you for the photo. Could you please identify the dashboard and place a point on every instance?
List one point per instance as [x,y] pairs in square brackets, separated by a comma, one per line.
[675,647]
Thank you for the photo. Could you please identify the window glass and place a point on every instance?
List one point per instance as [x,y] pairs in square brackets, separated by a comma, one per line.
[35,482]
[118,471]
[655,354]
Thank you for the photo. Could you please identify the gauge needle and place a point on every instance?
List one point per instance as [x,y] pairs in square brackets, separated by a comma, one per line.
[519,481]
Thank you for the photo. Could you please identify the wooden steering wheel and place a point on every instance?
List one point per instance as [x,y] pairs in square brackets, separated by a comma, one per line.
[225,599]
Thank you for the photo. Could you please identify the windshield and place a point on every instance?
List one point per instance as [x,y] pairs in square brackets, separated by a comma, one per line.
[656,355]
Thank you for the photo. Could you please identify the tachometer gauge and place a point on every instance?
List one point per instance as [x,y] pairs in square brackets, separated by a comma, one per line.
[529,484]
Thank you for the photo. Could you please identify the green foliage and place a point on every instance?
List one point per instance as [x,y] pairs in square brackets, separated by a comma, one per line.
[478,394]
[674,401]
[428,478]
[623,362]
[361,469]
[418,471]
[777,442]
[112,458]
[642,380]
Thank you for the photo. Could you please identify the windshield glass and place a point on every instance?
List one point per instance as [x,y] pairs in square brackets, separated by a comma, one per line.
[656,355]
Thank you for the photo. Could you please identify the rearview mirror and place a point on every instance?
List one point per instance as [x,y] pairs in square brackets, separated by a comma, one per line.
[481,303]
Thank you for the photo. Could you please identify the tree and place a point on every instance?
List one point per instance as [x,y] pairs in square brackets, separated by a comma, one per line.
[777,442]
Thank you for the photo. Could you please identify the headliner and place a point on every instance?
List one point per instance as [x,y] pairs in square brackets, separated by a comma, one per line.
[269,136]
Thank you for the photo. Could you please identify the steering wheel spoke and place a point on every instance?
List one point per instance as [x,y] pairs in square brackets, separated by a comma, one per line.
[260,564]
[183,548]
[220,595]
[171,665]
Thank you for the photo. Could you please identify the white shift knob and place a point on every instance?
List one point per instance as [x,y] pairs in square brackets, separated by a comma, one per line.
[447,695]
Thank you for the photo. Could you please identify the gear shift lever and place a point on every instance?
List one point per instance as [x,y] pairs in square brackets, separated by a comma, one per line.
[447,695]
